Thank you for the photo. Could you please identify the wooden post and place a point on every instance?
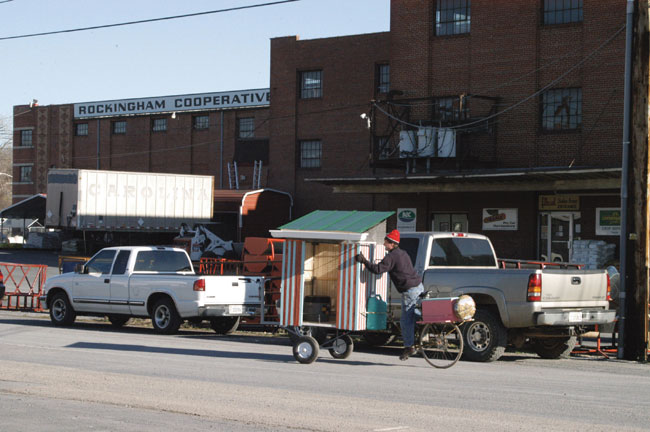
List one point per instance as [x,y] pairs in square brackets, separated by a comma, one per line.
[636,325]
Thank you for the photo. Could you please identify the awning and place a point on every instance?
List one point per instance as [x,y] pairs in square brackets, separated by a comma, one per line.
[503,180]
[332,225]
[29,208]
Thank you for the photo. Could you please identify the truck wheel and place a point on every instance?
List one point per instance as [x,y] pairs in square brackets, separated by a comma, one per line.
[485,337]
[224,325]
[165,318]
[554,348]
[378,339]
[118,321]
[305,349]
[61,311]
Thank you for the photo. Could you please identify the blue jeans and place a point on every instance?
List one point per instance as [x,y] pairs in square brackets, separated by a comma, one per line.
[409,301]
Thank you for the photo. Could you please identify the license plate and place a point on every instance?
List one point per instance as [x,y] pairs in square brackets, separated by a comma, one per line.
[575,316]
[235,309]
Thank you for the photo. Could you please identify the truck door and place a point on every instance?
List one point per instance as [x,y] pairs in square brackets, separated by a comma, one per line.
[91,290]
[119,284]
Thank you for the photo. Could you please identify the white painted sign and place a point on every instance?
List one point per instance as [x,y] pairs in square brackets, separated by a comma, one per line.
[500,219]
[191,102]
[406,219]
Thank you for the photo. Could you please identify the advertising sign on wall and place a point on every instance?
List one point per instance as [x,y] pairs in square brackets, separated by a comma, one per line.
[406,219]
[608,221]
[500,219]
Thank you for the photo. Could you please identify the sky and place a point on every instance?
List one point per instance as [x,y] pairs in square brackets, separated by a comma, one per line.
[209,53]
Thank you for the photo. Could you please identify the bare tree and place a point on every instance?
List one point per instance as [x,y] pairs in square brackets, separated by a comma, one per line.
[6,163]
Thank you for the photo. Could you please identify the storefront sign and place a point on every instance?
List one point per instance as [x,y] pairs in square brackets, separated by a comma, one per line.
[608,221]
[559,202]
[500,219]
[190,102]
[406,218]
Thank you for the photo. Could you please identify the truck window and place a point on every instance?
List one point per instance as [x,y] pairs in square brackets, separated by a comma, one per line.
[164,261]
[410,246]
[461,252]
[121,262]
[101,263]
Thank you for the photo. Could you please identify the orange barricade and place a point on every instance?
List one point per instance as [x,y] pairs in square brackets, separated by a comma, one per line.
[23,286]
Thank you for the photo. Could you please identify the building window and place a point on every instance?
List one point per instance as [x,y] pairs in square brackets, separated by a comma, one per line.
[562,11]
[119,127]
[26,138]
[310,154]
[383,78]
[26,174]
[159,125]
[246,127]
[81,129]
[562,109]
[201,122]
[311,84]
[383,148]
[451,109]
[453,17]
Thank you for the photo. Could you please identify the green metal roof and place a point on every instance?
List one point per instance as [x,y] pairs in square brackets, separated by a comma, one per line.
[338,221]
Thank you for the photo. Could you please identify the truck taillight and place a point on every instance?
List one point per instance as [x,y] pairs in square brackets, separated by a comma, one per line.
[199,285]
[534,287]
[609,289]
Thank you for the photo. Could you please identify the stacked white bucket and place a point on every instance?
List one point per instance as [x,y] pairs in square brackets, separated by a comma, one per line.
[593,253]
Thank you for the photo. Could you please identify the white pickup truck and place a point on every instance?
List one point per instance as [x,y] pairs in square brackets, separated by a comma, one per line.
[155,282]
[545,304]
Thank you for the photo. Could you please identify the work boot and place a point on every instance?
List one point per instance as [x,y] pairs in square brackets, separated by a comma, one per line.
[408,351]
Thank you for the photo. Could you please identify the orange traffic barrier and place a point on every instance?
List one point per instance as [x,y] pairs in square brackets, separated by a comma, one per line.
[23,286]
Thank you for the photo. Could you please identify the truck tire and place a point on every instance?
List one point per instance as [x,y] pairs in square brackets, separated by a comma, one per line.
[554,348]
[61,311]
[485,337]
[118,321]
[224,325]
[164,317]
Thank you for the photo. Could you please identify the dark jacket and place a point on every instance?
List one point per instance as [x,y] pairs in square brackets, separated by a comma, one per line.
[399,267]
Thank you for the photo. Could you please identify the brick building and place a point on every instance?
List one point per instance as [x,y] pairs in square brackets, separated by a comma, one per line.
[502,118]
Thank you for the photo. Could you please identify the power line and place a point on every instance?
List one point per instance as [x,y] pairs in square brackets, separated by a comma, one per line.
[147,20]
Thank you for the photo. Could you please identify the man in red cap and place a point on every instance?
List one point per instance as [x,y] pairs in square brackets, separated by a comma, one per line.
[400,269]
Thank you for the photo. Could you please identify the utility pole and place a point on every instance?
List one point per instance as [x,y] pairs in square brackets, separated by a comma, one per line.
[635,247]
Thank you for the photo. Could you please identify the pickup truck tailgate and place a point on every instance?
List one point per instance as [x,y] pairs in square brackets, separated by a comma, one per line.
[578,287]
[233,290]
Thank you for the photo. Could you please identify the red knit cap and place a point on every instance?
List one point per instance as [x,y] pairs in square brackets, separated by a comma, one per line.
[393,236]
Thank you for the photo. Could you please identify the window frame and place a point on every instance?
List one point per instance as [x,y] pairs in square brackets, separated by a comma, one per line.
[245,133]
[81,129]
[452,26]
[556,104]
[201,122]
[553,8]
[24,132]
[318,147]
[114,128]
[311,92]
[157,129]
[21,177]
[382,86]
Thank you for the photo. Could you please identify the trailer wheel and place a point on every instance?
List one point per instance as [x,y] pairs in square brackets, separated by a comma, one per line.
[342,347]
[305,350]
[224,325]
[61,311]
[485,337]
[164,317]
[318,333]
[118,321]
[554,348]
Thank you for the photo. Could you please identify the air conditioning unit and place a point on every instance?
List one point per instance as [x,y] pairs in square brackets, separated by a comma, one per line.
[446,143]
[407,141]
[427,141]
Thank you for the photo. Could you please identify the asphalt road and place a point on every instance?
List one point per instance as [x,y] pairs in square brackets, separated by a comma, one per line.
[93,377]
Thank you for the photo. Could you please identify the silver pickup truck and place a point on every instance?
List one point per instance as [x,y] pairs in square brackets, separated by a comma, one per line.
[543,304]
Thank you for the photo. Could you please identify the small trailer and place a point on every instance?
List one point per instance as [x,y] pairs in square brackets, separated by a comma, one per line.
[322,284]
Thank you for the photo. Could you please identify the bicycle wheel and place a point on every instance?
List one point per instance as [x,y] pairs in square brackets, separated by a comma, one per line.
[441,344]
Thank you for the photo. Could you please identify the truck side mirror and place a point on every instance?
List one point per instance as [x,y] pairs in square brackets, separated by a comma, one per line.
[80,268]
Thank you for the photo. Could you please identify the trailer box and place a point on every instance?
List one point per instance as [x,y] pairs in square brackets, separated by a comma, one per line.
[126,201]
